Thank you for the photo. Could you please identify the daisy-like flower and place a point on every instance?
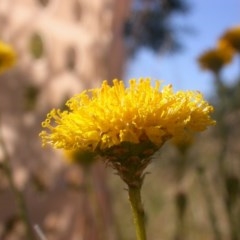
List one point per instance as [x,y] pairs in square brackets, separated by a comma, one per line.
[215,59]
[126,126]
[231,38]
[7,57]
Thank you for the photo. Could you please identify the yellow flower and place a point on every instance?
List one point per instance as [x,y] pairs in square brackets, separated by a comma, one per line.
[215,59]
[7,57]
[126,125]
[183,142]
[101,118]
[231,38]
[84,158]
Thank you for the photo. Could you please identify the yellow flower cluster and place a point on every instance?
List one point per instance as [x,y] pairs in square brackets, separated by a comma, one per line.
[101,118]
[7,57]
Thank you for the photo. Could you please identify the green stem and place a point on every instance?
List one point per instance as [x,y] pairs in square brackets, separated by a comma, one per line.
[19,198]
[209,203]
[138,211]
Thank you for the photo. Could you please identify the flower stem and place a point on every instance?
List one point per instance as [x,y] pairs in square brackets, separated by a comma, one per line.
[138,211]
[19,198]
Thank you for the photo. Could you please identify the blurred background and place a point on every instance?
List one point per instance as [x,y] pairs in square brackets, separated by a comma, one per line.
[64,47]
[196,30]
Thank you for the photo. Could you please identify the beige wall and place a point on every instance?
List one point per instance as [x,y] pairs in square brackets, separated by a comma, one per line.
[92,29]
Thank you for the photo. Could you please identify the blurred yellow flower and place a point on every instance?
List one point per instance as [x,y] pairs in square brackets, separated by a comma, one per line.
[183,142]
[231,38]
[7,57]
[108,116]
[215,59]
[84,158]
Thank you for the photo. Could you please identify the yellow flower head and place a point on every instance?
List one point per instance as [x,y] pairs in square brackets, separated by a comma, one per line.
[183,142]
[83,158]
[7,57]
[110,115]
[231,38]
[126,125]
[215,59]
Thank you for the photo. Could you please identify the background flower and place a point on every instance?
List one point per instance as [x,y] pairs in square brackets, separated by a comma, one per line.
[215,59]
[232,38]
[7,57]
